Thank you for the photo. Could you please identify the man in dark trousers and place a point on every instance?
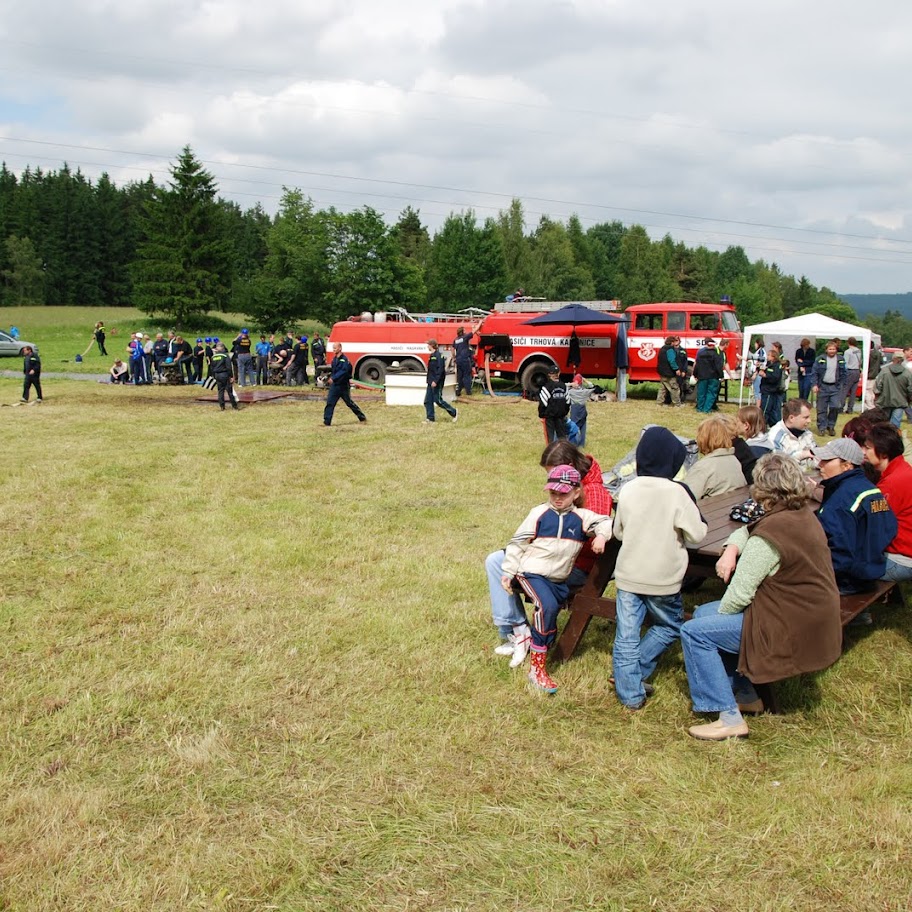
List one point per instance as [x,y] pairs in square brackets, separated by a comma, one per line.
[462,351]
[318,350]
[340,387]
[224,376]
[553,405]
[296,373]
[31,368]
[436,374]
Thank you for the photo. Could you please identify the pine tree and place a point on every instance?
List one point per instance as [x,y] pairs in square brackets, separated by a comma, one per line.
[183,265]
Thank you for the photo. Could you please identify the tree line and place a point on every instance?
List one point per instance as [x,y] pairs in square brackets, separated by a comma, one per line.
[179,251]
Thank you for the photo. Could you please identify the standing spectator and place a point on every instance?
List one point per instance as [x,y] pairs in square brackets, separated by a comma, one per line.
[159,353]
[829,385]
[224,376]
[184,358]
[804,364]
[875,363]
[296,371]
[100,338]
[683,368]
[709,371]
[436,375]
[199,356]
[462,351]
[578,394]
[669,372]
[574,358]
[172,344]
[245,358]
[770,389]
[791,435]
[208,352]
[883,449]
[758,356]
[893,389]
[31,369]
[340,387]
[138,361]
[656,519]
[263,351]
[553,406]
[852,358]
[318,352]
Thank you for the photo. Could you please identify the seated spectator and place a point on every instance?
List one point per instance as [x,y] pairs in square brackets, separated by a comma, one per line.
[754,430]
[791,435]
[782,594]
[506,608]
[855,516]
[119,372]
[883,449]
[719,470]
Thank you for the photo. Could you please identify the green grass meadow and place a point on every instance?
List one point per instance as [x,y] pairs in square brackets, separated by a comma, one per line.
[247,664]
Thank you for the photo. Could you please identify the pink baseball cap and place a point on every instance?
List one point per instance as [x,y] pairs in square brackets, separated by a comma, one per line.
[563,479]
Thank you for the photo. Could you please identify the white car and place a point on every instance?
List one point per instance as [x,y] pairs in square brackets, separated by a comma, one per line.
[12,348]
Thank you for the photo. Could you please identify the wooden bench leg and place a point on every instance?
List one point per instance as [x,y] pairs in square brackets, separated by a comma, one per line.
[571,635]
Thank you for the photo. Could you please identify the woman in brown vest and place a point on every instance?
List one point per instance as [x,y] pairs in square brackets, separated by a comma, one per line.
[779,616]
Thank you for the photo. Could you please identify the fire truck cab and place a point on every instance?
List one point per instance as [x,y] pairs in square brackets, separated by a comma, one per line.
[694,323]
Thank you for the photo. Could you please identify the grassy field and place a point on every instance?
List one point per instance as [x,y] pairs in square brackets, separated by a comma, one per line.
[247,665]
[61,333]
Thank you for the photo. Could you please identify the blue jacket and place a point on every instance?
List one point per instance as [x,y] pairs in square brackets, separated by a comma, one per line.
[436,371]
[820,366]
[341,371]
[859,526]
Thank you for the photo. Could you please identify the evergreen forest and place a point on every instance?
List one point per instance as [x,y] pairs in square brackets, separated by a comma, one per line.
[180,251]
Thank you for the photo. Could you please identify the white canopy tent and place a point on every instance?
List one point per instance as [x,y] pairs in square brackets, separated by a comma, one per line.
[812,326]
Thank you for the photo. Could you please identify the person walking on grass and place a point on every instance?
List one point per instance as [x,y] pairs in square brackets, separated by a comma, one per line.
[340,387]
[541,554]
[31,368]
[100,338]
[436,374]
[829,385]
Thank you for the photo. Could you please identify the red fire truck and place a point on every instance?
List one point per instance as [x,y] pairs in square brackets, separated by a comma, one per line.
[508,347]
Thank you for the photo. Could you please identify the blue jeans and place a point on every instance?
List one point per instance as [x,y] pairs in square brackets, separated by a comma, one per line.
[896,416]
[634,658]
[896,572]
[711,643]
[579,414]
[506,607]
[434,396]
[805,383]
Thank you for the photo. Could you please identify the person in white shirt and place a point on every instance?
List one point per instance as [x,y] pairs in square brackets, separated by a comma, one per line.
[792,435]
[852,358]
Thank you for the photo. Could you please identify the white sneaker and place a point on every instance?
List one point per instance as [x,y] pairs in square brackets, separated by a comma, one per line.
[522,637]
[506,647]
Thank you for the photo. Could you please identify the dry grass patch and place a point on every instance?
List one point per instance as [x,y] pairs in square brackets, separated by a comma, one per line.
[248,665]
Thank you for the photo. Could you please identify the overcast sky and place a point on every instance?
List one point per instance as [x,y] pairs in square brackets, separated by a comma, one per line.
[782,126]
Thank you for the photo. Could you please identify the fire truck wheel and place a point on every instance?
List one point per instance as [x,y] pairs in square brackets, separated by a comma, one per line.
[533,377]
[372,370]
[412,364]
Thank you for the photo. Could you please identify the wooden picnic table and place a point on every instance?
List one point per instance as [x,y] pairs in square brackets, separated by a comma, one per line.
[590,601]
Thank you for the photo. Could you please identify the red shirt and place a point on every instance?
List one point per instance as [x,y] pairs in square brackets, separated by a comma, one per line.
[896,484]
[599,501]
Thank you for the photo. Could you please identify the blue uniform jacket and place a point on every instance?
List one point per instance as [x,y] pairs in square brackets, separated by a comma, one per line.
[436,369]
[859,526]
[341,371]
[820,366]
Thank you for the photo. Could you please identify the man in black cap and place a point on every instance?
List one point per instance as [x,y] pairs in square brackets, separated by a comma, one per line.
[553,405]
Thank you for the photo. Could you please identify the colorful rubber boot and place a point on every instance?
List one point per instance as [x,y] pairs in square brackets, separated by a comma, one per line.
[538,676]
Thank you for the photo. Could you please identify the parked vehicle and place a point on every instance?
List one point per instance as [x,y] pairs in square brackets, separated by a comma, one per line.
[12,348]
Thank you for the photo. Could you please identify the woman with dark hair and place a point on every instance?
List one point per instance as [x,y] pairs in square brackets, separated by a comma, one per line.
[506,609]
[883,449]
[779,616]
[804,364]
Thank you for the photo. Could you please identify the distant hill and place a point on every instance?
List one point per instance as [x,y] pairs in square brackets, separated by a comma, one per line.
[879,304]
